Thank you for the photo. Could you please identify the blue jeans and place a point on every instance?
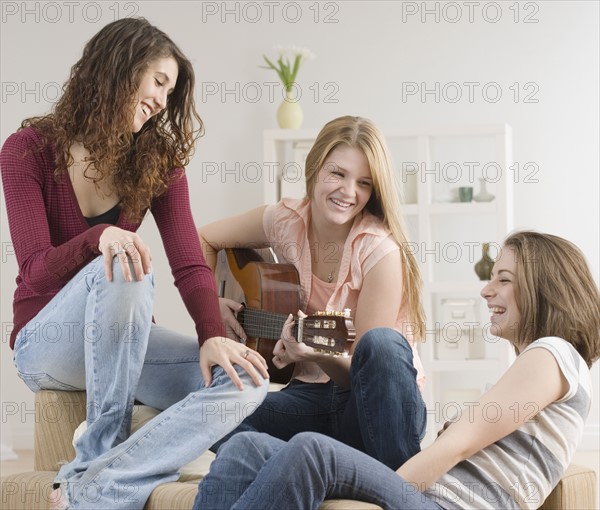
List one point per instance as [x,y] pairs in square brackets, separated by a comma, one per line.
[257,471]
[382,414]
[98,336]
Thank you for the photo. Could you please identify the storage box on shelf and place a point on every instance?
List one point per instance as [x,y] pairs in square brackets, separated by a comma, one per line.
[460,356]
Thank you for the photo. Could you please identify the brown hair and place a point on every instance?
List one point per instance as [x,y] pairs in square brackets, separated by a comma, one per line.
[384,202]
[555,292]
[97,108]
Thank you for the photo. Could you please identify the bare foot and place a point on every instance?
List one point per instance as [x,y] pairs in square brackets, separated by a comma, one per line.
[57,500]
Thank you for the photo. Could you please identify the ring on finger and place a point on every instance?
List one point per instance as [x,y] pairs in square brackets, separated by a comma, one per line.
[247,353]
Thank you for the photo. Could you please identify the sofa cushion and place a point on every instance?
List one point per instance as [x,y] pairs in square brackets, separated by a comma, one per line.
[58,413]
[27,491]
[172,495]
[182,495]
[30,491]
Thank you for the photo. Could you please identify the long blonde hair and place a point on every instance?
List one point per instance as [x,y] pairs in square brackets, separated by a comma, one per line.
[384,202]
[555,292]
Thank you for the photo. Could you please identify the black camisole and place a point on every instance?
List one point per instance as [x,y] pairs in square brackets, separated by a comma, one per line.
[111,216]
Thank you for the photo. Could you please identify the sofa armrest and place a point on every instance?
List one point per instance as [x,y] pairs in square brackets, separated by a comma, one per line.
[58,413]
[576,490]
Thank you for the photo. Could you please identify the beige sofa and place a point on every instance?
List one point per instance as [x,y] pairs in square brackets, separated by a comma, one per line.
[58,414]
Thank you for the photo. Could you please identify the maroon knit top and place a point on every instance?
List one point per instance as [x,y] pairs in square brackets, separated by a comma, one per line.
[52,240]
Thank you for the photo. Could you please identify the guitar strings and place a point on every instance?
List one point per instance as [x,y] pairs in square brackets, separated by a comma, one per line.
[265,324]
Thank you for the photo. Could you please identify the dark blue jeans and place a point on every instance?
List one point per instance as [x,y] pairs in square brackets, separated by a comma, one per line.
[382,414]
[256,471]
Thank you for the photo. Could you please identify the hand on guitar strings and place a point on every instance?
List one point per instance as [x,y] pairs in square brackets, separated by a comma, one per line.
[233,329]
[225,352]
[287,349]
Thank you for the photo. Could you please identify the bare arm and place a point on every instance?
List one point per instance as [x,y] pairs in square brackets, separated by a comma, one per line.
[534,379]
[381,296]
[243,231]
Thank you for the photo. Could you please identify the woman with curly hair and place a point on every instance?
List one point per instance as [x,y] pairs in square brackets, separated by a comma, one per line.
[77,184]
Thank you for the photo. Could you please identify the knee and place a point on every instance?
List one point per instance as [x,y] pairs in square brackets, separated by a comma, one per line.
[250,447]
[255,394]
[383,352]
[248,400]
[383,342]
[118,275]
[238,442]
[311,445]
[307,438]
[133,291]
[97,270]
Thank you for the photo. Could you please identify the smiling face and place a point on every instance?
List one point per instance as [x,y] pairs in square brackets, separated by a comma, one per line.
[500,294]
[343,186]
[157,82]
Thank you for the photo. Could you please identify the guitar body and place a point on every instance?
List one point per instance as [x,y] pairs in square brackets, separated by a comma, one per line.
[266,286]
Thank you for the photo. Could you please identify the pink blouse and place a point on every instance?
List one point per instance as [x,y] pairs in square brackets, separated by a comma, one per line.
[285,225]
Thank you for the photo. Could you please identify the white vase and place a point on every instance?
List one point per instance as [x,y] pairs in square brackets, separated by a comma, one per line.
[289,113]
[484,195]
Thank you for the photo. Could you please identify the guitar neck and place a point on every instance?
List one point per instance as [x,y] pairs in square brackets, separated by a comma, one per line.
[263,324]
[329,333]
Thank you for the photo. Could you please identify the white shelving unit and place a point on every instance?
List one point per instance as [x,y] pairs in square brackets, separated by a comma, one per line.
[459,355]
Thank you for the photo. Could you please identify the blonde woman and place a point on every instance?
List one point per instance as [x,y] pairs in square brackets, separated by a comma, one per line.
[508,451]
[349,249]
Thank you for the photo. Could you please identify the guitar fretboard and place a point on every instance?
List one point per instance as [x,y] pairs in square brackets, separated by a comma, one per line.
[263,324]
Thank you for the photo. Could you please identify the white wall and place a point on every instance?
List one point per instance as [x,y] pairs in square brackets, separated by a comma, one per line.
[367,53]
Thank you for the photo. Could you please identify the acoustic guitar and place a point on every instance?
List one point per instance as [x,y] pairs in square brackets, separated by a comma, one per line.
[271,293]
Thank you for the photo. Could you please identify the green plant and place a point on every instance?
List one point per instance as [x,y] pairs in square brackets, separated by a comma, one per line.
[288,63]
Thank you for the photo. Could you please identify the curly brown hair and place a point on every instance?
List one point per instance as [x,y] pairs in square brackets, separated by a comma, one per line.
[97,108]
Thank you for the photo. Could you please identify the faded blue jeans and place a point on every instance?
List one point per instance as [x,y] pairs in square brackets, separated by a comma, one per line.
[98,336]
[257,471]
[383,413]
